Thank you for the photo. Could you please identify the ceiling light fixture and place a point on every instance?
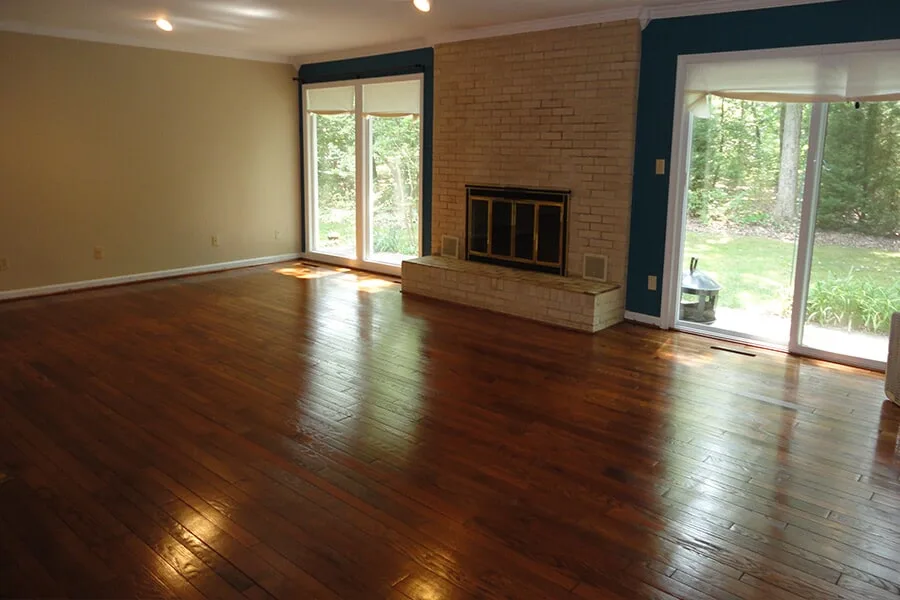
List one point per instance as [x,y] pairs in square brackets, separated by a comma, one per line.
[423,5]
[164,24]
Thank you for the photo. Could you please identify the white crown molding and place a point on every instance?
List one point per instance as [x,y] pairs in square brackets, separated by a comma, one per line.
[709,7]
[122,40]
[60,288]
[590,18]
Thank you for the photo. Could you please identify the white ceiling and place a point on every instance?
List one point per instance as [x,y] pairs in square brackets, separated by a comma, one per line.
[286,29]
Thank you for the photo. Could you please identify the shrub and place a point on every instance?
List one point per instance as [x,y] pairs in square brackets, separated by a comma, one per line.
[853,303]
[393,238]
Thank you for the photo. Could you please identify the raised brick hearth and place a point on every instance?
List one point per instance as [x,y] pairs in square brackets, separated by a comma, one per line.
[563,301]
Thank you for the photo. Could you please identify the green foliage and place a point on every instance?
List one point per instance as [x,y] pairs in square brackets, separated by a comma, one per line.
[395,185]
[394,182]
[744,209]
[336,161]
[335,137]
[756,275]
[853,303]
[394,240]
[736,161]
[860,188]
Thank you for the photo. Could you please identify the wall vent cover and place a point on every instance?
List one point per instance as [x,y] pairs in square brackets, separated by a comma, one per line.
[450,246]
[595,266]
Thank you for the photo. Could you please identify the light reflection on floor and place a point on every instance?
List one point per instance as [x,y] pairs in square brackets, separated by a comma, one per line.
[377,417]
[364,282]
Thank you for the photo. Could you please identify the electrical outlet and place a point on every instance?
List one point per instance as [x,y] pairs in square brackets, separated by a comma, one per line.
[277,234]
[98,253]
[215,241]
[4,264]
[651,283]
[660,166]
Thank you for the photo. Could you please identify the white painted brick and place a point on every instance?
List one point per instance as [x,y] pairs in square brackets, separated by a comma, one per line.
[536,295]
[552,108]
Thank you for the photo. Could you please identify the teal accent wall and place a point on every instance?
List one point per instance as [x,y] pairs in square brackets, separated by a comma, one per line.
[663,41]
[382,65]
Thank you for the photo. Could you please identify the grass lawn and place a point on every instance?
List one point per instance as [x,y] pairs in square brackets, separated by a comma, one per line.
[756,274]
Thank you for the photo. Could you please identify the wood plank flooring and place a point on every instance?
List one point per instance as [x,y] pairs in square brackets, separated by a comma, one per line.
[299,432]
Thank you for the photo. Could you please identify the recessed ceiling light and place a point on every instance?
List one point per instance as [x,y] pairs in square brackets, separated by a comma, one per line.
[423,5]
[164,25]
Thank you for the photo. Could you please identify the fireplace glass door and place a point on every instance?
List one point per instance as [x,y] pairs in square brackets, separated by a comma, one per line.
[517,227]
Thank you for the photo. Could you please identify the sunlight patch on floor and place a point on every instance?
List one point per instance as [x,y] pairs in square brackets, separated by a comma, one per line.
[364,282]
[374,285]
[305,272]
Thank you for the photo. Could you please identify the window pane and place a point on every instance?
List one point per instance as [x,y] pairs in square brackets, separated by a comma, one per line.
[335,184]
[394,188]
[747,172]
[854,285]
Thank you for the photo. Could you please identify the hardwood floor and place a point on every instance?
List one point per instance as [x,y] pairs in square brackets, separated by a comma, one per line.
[311,433]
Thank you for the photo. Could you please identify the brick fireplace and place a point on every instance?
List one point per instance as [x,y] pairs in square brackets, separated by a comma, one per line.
[551,110]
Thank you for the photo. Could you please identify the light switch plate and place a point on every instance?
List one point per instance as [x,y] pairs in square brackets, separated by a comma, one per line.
[660,166]
[651,283]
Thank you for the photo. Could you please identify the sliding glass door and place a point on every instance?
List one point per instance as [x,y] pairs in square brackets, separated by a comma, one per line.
[787,208]
[363,156]
[332,196]
[745,182]
[395,141]
[851,282]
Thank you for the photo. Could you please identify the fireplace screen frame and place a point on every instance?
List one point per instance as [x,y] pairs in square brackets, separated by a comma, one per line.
[517,196]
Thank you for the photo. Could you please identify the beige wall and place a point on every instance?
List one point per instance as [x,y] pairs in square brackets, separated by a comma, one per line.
[146,153]
[546,109]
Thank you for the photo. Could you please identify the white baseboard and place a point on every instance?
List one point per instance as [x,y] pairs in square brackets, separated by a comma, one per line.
[642,318]
[108,281]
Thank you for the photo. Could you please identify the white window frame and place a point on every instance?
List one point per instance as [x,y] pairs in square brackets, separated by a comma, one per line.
[363,183]
[676,221]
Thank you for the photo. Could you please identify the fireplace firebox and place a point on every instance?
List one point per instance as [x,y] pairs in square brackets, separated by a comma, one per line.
[524,228]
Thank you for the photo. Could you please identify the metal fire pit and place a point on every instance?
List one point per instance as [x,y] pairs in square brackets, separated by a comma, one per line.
[699,294]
